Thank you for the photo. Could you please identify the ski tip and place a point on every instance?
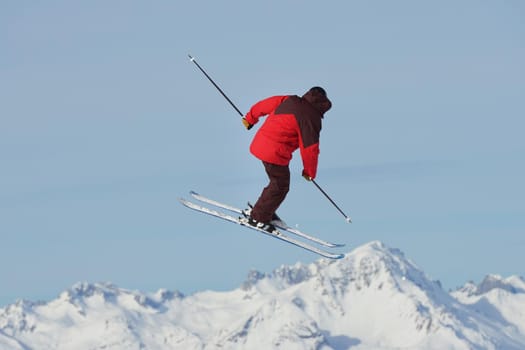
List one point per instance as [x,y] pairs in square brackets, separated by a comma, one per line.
[191,58]
[348,220]
[338,256]
[193,193]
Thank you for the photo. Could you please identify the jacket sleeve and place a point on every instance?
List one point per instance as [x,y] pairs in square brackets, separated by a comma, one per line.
[309,132]
[263,107]
[310,157]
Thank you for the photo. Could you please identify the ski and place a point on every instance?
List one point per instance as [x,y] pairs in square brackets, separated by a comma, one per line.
[276,234]
[282,226]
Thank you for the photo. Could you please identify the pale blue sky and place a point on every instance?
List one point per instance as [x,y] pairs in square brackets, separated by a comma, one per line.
[104,124]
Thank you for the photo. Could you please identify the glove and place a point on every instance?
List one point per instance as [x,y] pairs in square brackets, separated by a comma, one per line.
[307,177]
[246,124]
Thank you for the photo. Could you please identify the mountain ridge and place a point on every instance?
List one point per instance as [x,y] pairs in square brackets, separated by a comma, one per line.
[374,298]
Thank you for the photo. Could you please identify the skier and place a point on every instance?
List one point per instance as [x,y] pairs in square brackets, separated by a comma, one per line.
[293,122]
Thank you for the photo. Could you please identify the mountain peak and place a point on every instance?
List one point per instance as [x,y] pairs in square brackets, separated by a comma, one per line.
[513,285]
[371,268]
[81,291]
[377,261]
[371,263]
[376,245]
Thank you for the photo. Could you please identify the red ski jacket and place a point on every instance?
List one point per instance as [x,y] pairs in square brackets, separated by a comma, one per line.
[293,122]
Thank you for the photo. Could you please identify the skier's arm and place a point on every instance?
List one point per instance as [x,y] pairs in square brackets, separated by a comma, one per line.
[262,108]
[309,132]
[310,156]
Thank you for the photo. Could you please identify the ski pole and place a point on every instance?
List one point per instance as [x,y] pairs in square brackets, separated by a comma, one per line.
[331,201]
[192,59]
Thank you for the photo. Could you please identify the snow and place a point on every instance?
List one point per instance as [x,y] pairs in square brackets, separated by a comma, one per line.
[374,298]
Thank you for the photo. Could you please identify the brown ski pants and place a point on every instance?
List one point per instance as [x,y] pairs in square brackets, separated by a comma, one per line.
[274,194]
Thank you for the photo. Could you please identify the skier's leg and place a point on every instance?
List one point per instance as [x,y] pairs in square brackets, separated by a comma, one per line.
[274,194]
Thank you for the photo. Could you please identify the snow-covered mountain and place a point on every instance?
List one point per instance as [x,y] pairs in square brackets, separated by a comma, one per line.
[374,298]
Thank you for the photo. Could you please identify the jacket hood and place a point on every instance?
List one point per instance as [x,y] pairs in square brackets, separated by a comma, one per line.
[316,96]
